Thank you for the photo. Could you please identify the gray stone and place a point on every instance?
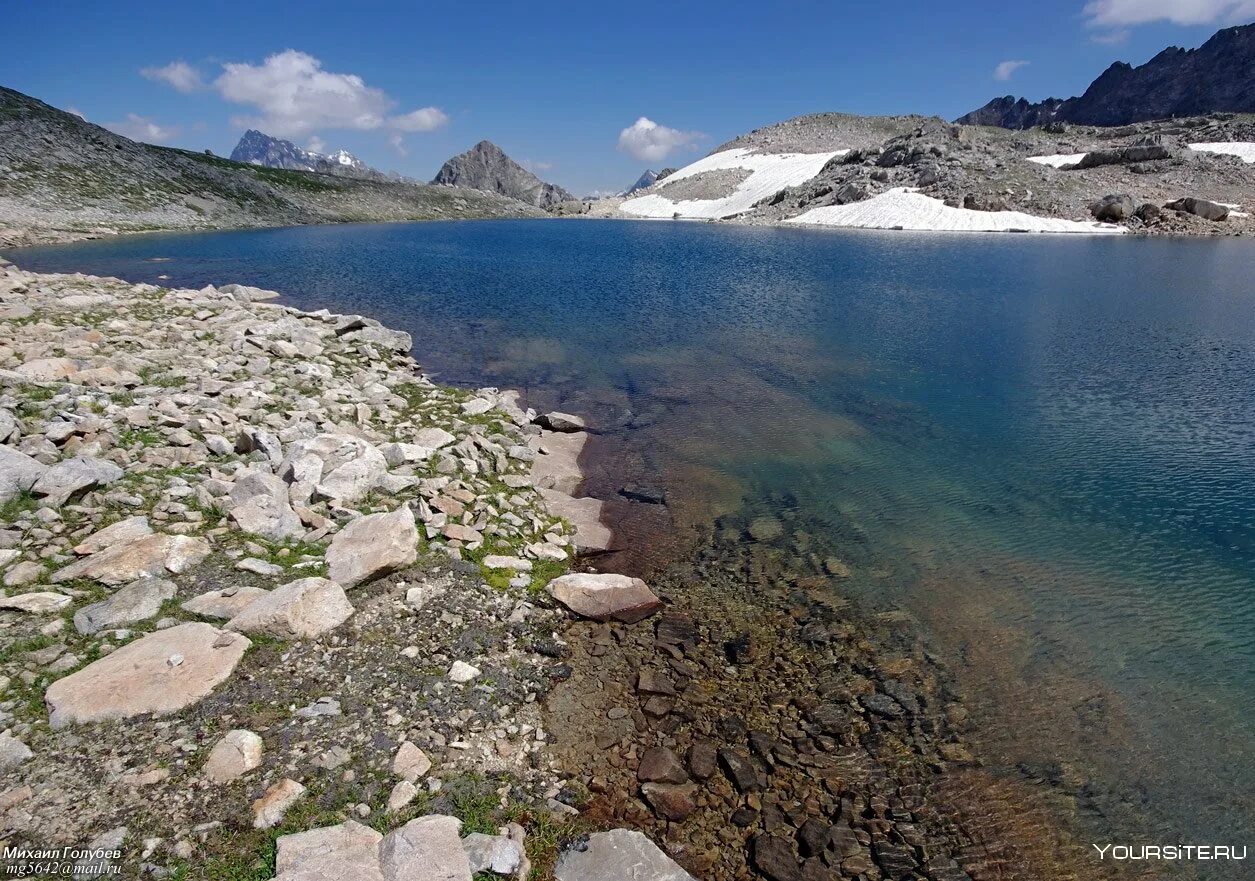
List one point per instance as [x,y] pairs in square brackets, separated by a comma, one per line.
[426,849]
[333,466]
[40,602]
[119,533]
[558,421]
[1114,208]
[12,752]
[137,601]
[304,608]
[146,557]
[224,604]
[18,473]
[616,856]
[1203,208]
[372,546]
[492,853]
[238,752]
[71,478]
[605,597]
[346,852]
[259,504]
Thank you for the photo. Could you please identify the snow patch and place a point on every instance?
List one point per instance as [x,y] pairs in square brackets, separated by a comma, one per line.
[903,208]
[770,173]
[1058,160]
[1244,150]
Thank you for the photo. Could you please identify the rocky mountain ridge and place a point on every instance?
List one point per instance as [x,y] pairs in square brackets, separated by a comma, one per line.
[258,148]
[486,167]
[61,178]
[1158,174]
[1217,76]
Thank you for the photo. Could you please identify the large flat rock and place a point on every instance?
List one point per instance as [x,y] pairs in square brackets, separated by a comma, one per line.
[160,673]
[149,556]
[603,597]
[426,849]
[616,856]
[346,851]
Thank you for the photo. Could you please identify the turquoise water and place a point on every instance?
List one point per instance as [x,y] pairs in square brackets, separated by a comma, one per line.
[1043,447]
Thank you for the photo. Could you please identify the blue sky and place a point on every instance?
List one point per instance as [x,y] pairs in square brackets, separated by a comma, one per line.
[406,85]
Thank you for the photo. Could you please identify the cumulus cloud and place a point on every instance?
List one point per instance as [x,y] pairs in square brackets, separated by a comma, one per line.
[425,119]
[179,75]
[316,145]
[650,142]
[1116,14]
[76,112]
[1006,69]
[142,128]
[396,142]
[294,96]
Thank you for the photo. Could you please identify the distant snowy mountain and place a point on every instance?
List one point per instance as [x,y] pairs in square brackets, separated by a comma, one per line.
[645,180]
[258,148]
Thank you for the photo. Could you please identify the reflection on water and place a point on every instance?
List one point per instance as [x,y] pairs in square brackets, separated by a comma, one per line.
[1042,447]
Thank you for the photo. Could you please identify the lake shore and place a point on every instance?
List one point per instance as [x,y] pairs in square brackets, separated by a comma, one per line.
[286,530]
[709,684]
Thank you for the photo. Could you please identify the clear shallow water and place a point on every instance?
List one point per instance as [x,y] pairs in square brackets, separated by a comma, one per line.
[1044,447]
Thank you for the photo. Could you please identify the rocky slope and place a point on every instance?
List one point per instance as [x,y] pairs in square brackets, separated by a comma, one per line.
[983,172]
[62,178]
[486,167]
[1217,76]
[257,148]
[266,587]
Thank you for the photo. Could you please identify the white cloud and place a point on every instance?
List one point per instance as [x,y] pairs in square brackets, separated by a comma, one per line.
[396,142]
[425,119]
[295,96]
[316,144]
[1005,69]
[535,165]
[177,74]
[650,142]
[1116,14]
[142,128]
[76,112]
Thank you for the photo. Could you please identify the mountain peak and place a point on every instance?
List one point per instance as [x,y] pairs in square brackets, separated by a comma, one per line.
[487,167]
[259,148]
[1218,76]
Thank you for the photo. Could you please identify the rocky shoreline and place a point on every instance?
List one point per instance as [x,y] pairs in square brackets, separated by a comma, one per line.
[273,602]
[276,603]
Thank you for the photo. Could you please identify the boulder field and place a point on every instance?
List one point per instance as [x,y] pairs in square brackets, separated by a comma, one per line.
[272,598]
